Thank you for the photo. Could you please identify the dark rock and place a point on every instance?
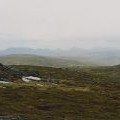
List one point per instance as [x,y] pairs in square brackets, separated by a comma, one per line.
[10,73]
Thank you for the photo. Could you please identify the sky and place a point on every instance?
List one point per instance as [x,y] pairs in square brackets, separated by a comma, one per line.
[59,23]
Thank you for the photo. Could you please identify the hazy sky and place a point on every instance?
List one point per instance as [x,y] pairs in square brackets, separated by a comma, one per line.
[59,23]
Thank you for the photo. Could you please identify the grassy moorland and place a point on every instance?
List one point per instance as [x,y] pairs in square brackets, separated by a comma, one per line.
[82,94]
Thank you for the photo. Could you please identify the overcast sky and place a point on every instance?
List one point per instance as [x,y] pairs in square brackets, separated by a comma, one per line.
[59,23]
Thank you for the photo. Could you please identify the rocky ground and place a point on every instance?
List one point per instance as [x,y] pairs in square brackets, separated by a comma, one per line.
[89,94]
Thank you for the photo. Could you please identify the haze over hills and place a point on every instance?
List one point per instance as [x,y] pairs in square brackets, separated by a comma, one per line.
[96,56]
[35,60]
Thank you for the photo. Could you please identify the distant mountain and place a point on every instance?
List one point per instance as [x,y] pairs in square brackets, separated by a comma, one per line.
[9,51]
[27,59]
[96,56]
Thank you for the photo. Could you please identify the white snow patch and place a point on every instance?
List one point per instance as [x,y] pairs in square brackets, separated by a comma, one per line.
[4,82]
[29,78]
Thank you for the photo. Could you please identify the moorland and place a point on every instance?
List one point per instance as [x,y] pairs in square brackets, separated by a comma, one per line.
[91,93]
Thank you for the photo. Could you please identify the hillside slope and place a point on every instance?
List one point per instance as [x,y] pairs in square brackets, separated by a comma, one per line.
[35,60]
[98,56]
[84,94]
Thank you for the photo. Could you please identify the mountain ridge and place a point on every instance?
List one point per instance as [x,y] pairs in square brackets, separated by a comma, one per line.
[97,56]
